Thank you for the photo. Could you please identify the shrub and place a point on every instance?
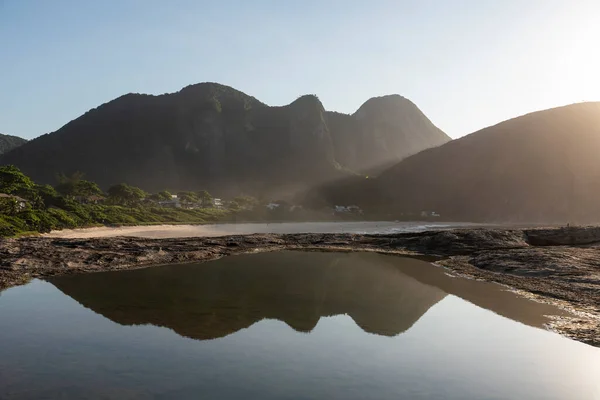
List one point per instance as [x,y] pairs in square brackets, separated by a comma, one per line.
[38,220]
[6,228]
[63,218]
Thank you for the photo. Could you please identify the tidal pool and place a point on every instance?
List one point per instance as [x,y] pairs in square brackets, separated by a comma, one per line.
[285,325]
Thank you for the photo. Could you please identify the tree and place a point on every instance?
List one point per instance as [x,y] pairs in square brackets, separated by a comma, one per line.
[87,188]
[125,194]
[161,196]
[49,195]
[13,181]
[77,187]
[74,177]
[164,195]
[66,184]
[205,198]
[9,206]
[187,197]
[233,205]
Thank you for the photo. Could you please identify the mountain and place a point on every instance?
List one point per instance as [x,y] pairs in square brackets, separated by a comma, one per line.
[383,131]
[540,167]
[210,136]
[7,143]
[215,299]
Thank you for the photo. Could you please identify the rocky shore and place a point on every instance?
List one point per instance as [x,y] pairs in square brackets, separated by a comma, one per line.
[558,265]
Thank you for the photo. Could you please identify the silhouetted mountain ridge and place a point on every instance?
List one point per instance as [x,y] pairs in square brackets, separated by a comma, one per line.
[540,167]
[213,136]
[219,298]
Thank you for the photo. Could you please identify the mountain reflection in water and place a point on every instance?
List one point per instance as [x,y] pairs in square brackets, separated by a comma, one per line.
[384,295]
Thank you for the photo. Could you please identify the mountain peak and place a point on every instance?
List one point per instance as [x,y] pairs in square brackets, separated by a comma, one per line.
[212,136]
[308,102]
[391,104]
[388,128]
[9,142]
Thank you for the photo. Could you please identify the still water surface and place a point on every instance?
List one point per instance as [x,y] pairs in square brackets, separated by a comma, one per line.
[286,325]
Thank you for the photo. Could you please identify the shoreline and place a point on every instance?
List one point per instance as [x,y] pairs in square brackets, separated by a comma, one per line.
[168,231]
[555,265]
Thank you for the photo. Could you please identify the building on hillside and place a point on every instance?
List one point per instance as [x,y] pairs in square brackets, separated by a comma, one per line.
[340,209]
[21,203]
[272,206]
[347,210]
[217,203]
[173,203]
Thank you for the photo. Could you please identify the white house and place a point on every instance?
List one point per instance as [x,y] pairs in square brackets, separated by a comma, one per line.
[272,206]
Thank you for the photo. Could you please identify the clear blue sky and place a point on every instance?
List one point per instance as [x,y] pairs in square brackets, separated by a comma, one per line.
[466,63]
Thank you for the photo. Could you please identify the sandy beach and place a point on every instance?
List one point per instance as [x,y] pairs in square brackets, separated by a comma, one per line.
[213,230]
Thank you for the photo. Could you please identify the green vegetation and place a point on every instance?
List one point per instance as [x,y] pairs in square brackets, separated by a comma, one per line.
[126,195]
[188,197]
[75,186]
[29,208]
[161,196]
[7,143]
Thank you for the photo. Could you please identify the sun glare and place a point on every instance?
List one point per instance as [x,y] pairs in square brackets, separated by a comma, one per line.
[579,59]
